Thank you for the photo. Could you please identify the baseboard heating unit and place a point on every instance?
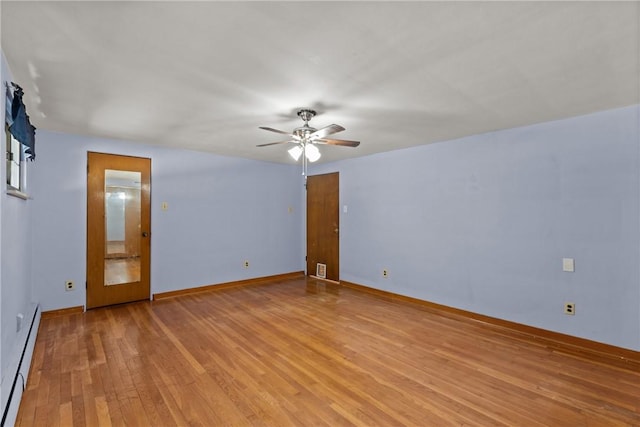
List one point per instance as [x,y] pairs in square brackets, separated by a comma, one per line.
[15,379]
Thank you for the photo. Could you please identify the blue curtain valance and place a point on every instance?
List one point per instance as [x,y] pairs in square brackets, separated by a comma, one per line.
[18,120]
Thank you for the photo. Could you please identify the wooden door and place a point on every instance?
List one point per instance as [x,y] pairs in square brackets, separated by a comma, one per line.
[118,229]
[323,224]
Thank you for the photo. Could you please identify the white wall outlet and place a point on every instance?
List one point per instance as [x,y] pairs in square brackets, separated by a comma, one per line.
[568,264]
[385,273]
[570,308]
[246,264]
[69,285]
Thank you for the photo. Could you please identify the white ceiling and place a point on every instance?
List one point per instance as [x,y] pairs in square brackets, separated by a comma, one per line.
[205,75]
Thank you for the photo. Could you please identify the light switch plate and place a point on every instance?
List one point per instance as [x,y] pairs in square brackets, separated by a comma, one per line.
[568,265]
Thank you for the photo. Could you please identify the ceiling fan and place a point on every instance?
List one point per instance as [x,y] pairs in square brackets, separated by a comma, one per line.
[305,137]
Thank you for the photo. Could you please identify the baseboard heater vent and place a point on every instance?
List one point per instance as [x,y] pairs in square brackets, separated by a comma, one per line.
[18,370]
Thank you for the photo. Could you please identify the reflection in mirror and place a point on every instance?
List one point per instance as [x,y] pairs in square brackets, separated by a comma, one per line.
[122,227]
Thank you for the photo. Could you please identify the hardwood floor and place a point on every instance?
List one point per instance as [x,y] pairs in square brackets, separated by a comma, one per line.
[307,353]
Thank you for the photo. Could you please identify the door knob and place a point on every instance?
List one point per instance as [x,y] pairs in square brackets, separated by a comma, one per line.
[145,234]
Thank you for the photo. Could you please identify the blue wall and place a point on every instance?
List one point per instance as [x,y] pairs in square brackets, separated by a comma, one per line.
[482,224]
[221,211]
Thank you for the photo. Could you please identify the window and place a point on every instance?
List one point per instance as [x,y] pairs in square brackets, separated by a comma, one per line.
[20,140]
[16,169]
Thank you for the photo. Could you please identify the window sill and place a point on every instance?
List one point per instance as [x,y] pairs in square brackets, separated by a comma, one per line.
[18,194]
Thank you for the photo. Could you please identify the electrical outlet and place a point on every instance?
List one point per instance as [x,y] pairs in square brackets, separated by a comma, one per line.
[246,264]
[385,273]
[69,285]
[569,308]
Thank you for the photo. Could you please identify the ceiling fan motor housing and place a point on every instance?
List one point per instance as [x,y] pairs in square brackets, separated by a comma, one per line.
[303,132]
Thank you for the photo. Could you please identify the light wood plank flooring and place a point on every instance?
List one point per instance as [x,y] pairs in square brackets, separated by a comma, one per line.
[304,353]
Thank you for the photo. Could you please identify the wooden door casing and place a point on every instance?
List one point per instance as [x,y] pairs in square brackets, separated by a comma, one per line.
[323,224]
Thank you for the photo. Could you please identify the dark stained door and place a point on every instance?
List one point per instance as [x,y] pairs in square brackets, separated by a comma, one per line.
[323,224]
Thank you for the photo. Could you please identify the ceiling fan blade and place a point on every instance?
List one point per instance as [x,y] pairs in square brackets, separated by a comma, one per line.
[274,143]
[326,131]
[342,142]
[276,131]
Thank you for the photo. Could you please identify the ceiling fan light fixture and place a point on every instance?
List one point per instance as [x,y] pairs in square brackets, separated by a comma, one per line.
[305,138]
[296,152]
[312,152]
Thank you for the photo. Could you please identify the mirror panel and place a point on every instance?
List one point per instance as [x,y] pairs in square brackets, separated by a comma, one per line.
[122,227]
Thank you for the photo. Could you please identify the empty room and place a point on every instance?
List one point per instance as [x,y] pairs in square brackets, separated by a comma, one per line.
[320,213]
